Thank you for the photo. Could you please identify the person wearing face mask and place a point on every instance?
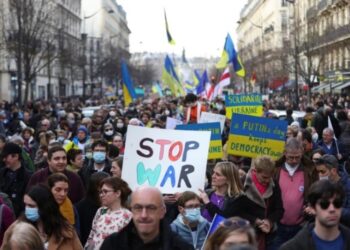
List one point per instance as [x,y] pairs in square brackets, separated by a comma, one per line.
[120,126]
[98,163]
[189,224]
[108,132]
[42,211]
[327,168]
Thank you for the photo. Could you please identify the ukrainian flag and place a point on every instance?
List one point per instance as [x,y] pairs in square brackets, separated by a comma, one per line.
[229,55]
[170,39]
[128,89]
[171,79]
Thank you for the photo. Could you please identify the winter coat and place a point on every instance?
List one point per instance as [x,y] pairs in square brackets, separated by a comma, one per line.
[186,234]
[128,239]
[14,185]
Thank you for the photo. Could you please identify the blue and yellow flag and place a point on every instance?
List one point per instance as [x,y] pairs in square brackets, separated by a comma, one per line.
[128,89]
[229,55]
[170,39]
[171,79]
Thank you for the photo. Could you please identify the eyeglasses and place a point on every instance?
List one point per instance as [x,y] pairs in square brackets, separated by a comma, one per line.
[235,223]
[105,191]
[137,209]
[324,204]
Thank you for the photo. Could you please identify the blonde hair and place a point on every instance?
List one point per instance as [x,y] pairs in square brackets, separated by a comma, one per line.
[230,171]
[22,235]
[264,164]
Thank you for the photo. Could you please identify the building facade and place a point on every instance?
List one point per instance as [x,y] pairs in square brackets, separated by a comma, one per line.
[47,57]
[262,35]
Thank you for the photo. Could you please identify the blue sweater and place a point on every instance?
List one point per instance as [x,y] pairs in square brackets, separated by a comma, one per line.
[185,232]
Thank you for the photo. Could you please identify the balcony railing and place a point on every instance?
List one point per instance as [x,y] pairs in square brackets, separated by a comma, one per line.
[332,34]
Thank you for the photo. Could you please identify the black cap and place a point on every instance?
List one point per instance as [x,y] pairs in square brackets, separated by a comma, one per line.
[11,148]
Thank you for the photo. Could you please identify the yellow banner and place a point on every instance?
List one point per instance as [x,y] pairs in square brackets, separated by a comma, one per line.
[215,150]
[254,146]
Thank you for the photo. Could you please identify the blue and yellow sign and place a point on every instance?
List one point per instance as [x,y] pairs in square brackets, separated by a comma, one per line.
[250,104]
[253,136]
[215,146]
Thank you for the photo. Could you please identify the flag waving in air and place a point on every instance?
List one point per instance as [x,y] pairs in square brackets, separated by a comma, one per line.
[170,39]
[128,89]
[171,79]
[229,55]
[225,80]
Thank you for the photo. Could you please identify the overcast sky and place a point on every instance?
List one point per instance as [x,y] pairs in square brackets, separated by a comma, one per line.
[200,26]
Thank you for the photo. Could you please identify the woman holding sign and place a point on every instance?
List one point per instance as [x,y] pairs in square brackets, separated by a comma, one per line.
[227,193]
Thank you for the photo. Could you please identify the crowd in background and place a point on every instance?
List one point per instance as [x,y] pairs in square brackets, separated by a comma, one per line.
[60,173]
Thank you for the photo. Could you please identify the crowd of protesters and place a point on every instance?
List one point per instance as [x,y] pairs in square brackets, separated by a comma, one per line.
[60,180]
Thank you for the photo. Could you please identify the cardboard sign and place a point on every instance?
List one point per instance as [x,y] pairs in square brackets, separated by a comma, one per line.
[254,136]
[250,104]
[171,160]
[207,117]
[172,122]
[215,147]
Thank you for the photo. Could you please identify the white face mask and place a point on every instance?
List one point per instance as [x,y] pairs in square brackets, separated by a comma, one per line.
[112,114]
[324,178]
[167,112]
[109,132]
[120,125]
[315,137]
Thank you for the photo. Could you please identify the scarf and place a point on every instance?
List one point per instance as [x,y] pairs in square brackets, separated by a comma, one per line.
[259,186]
[67,210]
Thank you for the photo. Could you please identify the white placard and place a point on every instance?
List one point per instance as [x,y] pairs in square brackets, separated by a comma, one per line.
[207,117]
[172,122]
[171,160]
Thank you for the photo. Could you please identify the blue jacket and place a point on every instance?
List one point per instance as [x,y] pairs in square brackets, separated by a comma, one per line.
[345,182]
[185,232]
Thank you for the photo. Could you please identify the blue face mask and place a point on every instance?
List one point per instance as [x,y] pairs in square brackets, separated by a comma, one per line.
[99,157]
[193,214]
[32,213]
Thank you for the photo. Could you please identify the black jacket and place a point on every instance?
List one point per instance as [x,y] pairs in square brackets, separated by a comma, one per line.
[88,169]
[128,239]
[303,240]
[14,184]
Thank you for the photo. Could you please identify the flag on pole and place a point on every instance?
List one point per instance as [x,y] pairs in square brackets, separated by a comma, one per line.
[171,79]
[229,55]
[128,89]
[170,39]
[225,80]
[201,86]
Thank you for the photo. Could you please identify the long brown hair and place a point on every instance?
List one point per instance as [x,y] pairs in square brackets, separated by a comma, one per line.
[230,171]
